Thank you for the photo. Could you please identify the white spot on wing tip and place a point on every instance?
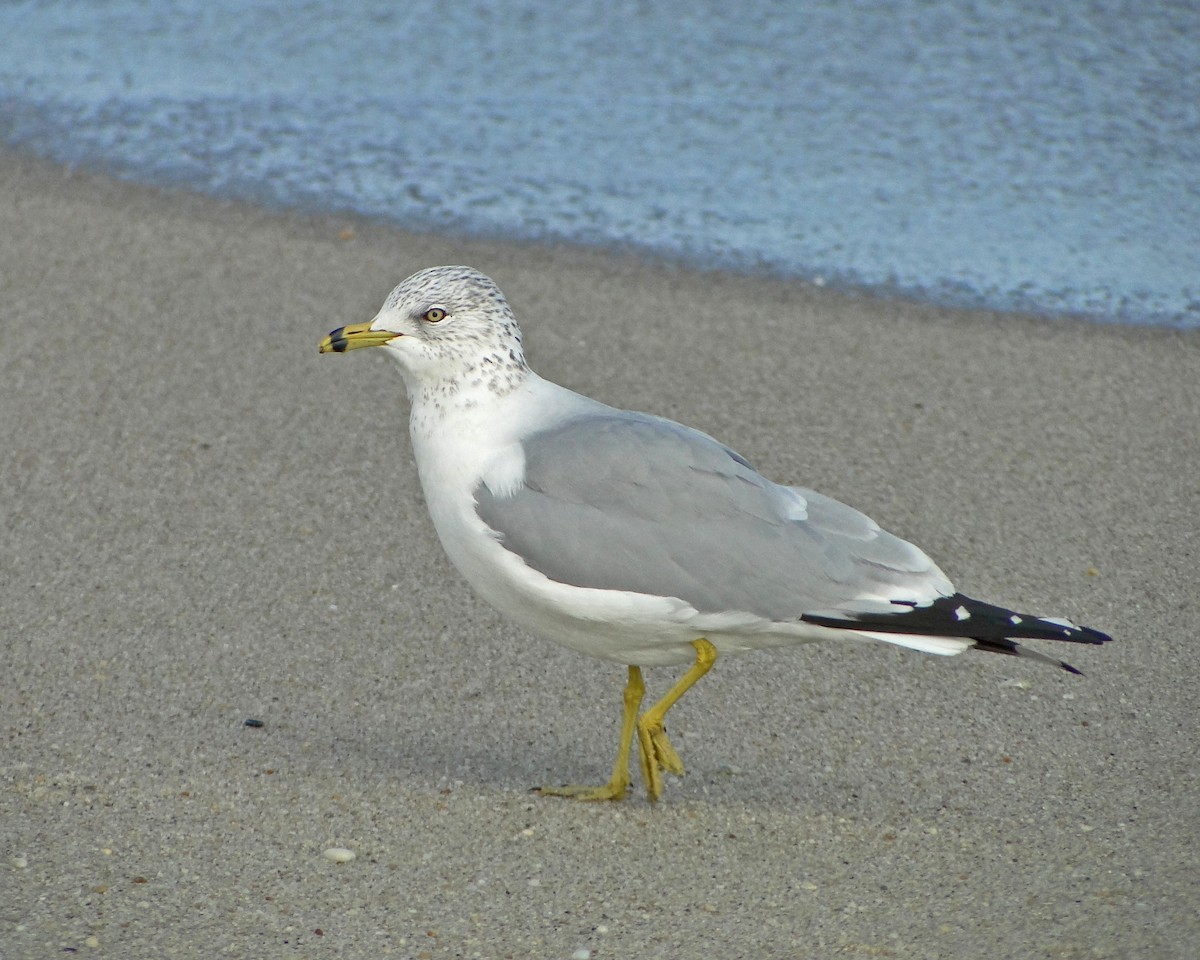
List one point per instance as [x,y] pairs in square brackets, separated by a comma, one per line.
[1014,620]
[962,613]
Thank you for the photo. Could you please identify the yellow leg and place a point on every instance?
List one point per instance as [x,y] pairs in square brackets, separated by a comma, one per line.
[656,750]
[617,786]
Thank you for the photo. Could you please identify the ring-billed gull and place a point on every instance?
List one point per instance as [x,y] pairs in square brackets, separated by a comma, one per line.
[638,540]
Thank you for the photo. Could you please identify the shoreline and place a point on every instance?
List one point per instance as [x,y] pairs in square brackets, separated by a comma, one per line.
[207,522]
[618,253]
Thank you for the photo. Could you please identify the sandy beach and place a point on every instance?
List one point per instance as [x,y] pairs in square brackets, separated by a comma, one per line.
[206,522]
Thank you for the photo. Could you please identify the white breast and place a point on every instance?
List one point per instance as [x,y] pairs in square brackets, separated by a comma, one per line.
[604,623]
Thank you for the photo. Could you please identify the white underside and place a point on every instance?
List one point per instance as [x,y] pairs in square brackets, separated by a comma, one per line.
[614,625]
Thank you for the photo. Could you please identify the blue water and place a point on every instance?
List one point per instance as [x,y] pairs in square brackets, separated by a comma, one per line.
[1000,153]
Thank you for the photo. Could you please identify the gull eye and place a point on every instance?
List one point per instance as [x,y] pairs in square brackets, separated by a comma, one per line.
[434,315]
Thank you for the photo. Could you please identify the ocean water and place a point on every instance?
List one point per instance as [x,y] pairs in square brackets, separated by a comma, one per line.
[1010,154]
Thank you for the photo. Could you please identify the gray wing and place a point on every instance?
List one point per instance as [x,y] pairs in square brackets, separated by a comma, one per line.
[631,502]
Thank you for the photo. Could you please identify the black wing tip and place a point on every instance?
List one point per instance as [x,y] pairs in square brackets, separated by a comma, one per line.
[1004,623]
[1044,629]
[958,615]
[1010,648]
[993,629]
[1092,635]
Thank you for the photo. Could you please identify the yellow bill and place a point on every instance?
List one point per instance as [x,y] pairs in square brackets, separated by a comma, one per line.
[355,335]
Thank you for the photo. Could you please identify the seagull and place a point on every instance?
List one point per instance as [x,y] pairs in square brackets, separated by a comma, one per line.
[638,540]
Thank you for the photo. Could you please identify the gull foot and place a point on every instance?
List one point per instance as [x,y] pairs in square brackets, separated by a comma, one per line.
[613,790]
[656,751]
[657,754]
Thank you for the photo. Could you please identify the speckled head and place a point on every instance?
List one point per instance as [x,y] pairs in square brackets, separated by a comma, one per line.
[451,331]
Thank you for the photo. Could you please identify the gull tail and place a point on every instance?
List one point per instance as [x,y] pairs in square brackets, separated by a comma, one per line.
[990,628]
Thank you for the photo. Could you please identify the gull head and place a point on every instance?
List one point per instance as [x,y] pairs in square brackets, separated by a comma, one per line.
[451,331]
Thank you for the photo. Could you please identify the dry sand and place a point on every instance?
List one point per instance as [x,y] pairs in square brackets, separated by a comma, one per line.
[204,521]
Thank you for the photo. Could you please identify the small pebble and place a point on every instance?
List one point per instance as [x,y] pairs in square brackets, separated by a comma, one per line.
[582,954]
[338,854]
[252,722]
[20,863]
